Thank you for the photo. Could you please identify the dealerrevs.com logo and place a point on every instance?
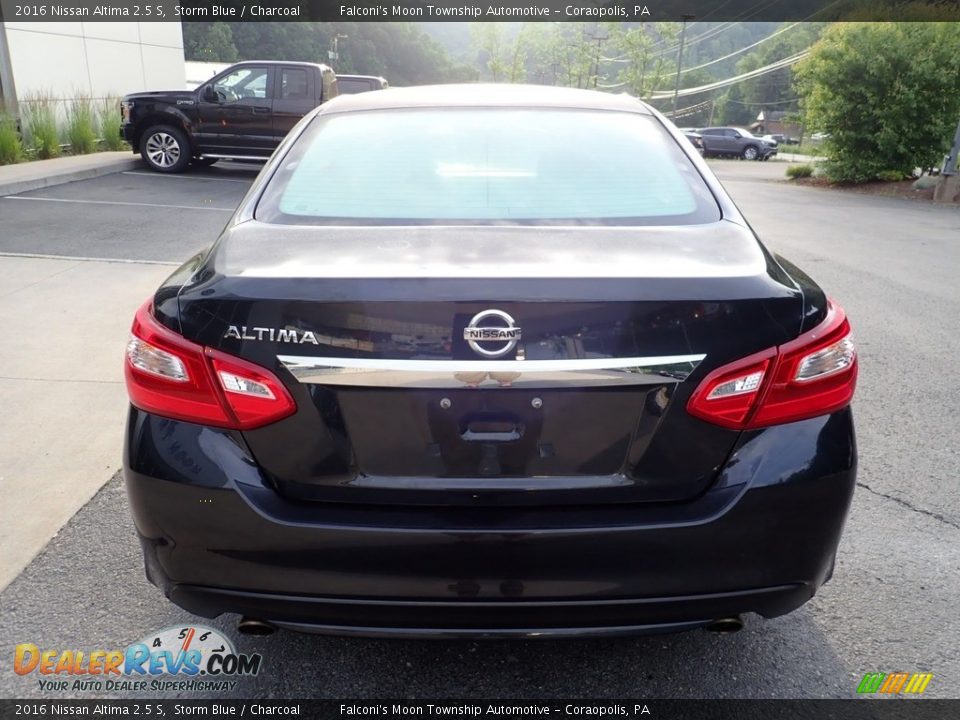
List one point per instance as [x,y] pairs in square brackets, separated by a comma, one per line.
[174,659]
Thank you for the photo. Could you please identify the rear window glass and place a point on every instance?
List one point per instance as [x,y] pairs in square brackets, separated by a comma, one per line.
[346,86]
[486,166]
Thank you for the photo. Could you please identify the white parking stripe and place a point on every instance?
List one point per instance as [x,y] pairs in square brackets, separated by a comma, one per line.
[117,202]
[82,258]
[186,177]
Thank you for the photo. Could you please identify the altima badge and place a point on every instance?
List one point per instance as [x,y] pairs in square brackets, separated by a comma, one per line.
[505,336]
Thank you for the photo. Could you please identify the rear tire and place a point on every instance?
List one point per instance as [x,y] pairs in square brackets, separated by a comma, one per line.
[750,152]
[165,149]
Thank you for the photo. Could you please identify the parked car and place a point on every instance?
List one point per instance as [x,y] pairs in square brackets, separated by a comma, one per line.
[727,141]
[696,139]
[242,113]
[489,360]
[780,139]
[352,84]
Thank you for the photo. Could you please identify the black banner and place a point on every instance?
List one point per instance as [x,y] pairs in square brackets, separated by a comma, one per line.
[875,709]
[475,10]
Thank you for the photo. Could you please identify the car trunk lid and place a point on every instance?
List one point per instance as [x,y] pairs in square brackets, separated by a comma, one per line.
[598,337]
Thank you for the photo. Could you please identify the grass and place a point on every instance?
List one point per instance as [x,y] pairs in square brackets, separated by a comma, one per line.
[40,124]
[800,171]
[81,125]
[802,149]
[108,124]
[11,147]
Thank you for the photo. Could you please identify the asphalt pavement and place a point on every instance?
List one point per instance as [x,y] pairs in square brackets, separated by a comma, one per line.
[891,605]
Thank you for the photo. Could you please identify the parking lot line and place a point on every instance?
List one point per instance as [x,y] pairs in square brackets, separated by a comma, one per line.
[206,178]
[116,202]
[80,258]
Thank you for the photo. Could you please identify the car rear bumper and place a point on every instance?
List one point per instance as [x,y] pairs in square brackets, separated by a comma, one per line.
[217,539]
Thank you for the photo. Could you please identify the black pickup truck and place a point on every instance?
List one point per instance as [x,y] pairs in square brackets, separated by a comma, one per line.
[242,113]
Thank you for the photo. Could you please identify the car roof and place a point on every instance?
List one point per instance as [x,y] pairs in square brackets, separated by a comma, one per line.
[485,95]
[296,63]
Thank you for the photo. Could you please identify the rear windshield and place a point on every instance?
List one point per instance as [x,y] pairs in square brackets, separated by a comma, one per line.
[486,166]
[348,86]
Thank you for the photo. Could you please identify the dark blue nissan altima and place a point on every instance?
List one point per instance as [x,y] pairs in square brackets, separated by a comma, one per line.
[489,361]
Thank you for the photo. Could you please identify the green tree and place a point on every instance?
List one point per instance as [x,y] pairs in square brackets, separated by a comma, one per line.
[209,42]
[565,54]
[492,47]
[888,94]
[775,88]
[645,54]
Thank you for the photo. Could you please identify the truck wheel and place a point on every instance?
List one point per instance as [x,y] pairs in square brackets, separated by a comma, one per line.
[750,152]
[165,149]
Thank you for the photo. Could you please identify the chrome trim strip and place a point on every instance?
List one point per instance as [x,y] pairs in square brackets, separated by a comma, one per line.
[219,156]
[468,484]
[491,374]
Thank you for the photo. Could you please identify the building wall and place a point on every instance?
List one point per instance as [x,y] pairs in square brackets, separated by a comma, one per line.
[95,59]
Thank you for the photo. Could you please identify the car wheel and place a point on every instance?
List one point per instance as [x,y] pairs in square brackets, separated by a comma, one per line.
[165,149]
[204,161]
[750,152]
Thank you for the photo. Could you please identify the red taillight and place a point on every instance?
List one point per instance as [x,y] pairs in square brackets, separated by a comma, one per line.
[168,375]
[813,375]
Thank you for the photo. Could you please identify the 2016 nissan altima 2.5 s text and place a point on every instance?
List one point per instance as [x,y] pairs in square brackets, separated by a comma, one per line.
[489,361]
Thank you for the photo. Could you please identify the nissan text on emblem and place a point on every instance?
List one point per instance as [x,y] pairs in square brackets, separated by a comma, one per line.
[494,338]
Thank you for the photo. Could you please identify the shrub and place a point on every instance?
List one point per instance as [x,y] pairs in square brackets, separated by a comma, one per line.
[11,148]
[891,176]
[887,92]
[40,124]
[108,125]
[81,125]
[800,171]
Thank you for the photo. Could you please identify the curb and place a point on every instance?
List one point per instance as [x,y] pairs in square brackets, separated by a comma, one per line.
[65,175]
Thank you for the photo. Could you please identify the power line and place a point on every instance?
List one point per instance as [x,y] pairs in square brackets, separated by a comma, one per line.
[743,49]
[772,102]
[689,110]
[785,62]
[713,32]
[716,30]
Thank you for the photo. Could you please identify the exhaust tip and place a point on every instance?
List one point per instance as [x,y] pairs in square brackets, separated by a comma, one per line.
[252,626]
[726,626]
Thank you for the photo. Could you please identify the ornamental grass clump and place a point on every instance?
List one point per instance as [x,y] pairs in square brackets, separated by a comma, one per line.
[81,125]
[40,124]
[11,146]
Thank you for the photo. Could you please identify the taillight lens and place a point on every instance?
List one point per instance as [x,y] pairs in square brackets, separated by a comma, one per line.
[813,375]
[168,375]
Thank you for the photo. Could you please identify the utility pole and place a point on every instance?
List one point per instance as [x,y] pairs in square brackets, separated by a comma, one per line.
[683,33]
[334,54]
[953,161]
[948,186]
[596,58]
